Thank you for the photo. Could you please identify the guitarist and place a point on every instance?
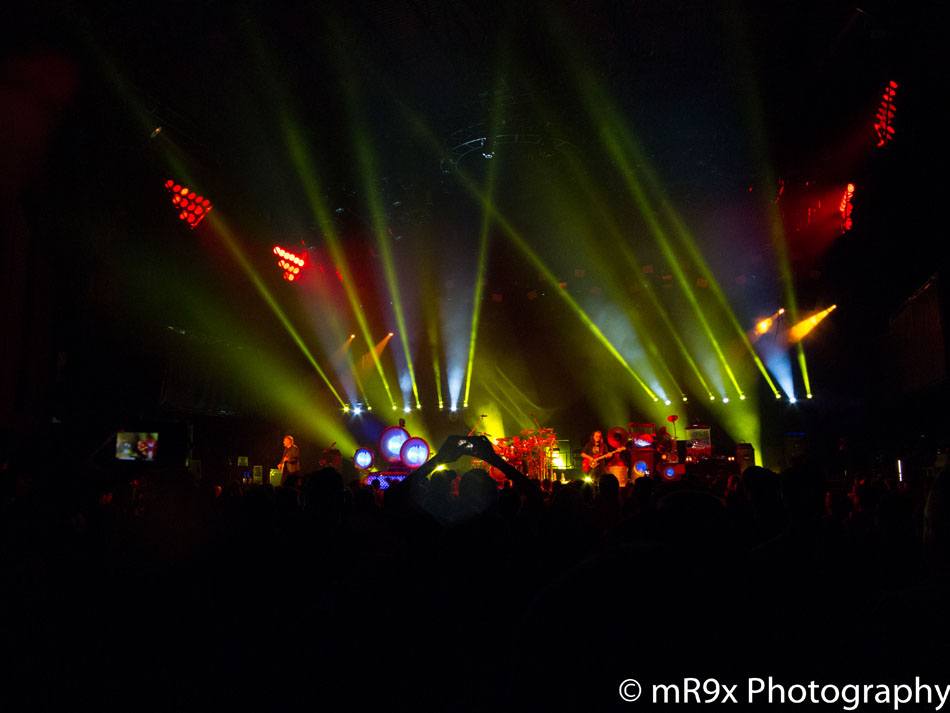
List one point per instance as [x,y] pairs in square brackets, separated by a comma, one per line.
[594,455]
[290,463]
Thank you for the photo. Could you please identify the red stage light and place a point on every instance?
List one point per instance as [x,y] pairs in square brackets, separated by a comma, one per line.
[845,207]
[188,201]
[289,263]
[885,114]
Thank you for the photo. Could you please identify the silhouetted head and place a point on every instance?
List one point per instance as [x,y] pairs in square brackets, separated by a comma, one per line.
[803,491]
[478,491]
[609,486]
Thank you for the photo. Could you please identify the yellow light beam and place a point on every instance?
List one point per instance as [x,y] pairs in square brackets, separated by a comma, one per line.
[483,240]
[799,331]
[472,188]
[628,171]
[300,154]
[363,144]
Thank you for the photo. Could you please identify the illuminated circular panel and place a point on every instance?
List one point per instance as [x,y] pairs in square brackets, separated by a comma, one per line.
[641,467]
[363,458]
[390,443]
[414,452]
[669,472]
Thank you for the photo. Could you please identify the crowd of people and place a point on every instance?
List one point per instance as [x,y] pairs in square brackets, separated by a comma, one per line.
[446,592]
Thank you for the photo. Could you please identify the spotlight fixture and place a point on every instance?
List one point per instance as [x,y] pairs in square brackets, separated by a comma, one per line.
[792,400]
[192,207]
[884,124]
[725,399]
[845,207]
[407,409]
[667,402]
[289,263]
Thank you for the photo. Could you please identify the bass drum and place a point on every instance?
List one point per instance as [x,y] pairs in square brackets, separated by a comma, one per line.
[621,473]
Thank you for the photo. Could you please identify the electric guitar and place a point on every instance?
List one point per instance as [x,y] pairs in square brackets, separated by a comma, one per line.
[591,461]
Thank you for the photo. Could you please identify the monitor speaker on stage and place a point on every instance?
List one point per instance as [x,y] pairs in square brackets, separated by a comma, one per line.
[331,459]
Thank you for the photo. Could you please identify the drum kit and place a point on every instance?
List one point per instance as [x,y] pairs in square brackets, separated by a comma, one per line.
[530,451]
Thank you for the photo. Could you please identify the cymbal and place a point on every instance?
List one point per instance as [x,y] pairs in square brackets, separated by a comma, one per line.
[503,440]
[527,432]
[485,433]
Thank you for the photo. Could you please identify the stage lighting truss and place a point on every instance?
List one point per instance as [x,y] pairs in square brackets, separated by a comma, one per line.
[884,119]
[290,263]
[192,207]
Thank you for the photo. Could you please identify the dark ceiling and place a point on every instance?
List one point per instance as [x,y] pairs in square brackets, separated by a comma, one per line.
[220,78]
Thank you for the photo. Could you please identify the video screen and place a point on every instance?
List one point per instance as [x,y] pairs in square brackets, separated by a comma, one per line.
[136,445]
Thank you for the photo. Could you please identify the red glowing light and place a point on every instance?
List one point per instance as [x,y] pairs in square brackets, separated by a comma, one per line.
[289,263]
[188,202]
[885,115]
[845,207]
